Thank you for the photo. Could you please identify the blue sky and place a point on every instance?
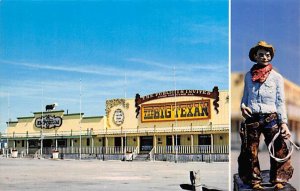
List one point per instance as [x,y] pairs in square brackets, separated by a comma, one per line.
[47,47]
[274,21]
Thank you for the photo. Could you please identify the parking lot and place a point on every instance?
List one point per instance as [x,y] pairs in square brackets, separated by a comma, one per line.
[48,174]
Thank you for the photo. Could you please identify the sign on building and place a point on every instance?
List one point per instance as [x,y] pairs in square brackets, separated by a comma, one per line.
[48,122]
[184,110]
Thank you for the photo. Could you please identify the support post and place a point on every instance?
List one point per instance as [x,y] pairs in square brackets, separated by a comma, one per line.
[212,143]
[122,145]
[92,140]
[192,144]
[72,146]
[106,144]
[154,143]
[173,144]
[138,143]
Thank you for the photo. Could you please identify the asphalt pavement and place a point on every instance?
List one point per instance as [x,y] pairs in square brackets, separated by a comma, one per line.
[49,174]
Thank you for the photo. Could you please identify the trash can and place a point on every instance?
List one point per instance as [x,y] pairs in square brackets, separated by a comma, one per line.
[55,154]
[14,153]
[128,156]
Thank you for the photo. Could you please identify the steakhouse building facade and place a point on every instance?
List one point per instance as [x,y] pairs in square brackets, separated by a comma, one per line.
[190,125]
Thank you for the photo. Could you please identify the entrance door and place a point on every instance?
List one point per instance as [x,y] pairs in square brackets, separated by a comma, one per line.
[146,143]
[47,143]
[61,142]
[204,140]
[169,140]
[118,141]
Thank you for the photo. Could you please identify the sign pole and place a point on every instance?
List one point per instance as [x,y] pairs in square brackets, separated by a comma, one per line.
[8,104]
[42,121]
[80,143]
[125,87]
[176,146]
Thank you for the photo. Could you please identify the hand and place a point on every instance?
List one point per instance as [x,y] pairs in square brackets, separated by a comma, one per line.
[285,132]
[246,111]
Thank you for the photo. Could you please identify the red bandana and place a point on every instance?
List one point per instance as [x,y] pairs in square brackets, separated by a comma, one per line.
[260,72]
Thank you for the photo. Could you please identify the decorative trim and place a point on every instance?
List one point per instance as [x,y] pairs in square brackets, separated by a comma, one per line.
[112,103]
[45,112]
[92,117]
[215,95]
[25,117]
[118,117]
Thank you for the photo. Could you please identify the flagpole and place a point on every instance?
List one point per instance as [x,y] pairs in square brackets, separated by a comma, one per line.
[8,113]
[176,146]
[125,87]
[80,141]
[42,121]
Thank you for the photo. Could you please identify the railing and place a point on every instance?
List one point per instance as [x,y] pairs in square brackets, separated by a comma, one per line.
[92,150]
[203,128]
[197,149]
[164,149]
[111,150]
[221,149]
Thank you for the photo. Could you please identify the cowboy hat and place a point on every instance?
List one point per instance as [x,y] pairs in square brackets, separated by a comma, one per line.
[261,44]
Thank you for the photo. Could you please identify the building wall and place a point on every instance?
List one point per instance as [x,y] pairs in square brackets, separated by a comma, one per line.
[105,127]
[70,122]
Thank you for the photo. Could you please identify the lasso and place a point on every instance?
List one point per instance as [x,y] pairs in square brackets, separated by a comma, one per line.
[272,149]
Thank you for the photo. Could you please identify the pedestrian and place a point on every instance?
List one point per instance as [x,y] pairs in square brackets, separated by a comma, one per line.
[263,107]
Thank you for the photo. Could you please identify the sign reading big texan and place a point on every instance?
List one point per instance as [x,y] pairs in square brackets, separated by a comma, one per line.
[185,110]
[199,109]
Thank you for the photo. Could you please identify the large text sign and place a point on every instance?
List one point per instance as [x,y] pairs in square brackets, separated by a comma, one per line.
[185,110]
[167,94]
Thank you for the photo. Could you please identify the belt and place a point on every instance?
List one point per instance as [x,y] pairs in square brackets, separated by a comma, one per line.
[262,119]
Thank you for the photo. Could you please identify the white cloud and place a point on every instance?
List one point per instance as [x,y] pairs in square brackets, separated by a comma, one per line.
[97,70]
[183,66]
[204,33]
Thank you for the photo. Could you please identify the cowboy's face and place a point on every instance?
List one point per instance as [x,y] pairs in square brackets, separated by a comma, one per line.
[263,56]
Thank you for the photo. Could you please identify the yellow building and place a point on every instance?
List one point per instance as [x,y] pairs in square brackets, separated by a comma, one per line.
[292,92]
[189,125]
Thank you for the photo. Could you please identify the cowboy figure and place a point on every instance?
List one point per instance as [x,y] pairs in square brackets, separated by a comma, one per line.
[263,107]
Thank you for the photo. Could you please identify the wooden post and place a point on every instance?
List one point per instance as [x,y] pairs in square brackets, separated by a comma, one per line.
[106,144]
[122,145]
[27,147]
[154,143]
[92,140]
[138,143]
[27,143]
[212,143]
[192,144]
[72,146]
[173,144]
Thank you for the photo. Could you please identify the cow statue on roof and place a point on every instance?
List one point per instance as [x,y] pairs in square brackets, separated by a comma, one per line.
[51,107]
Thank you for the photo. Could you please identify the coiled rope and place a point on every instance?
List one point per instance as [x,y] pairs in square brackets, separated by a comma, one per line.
[290,148]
